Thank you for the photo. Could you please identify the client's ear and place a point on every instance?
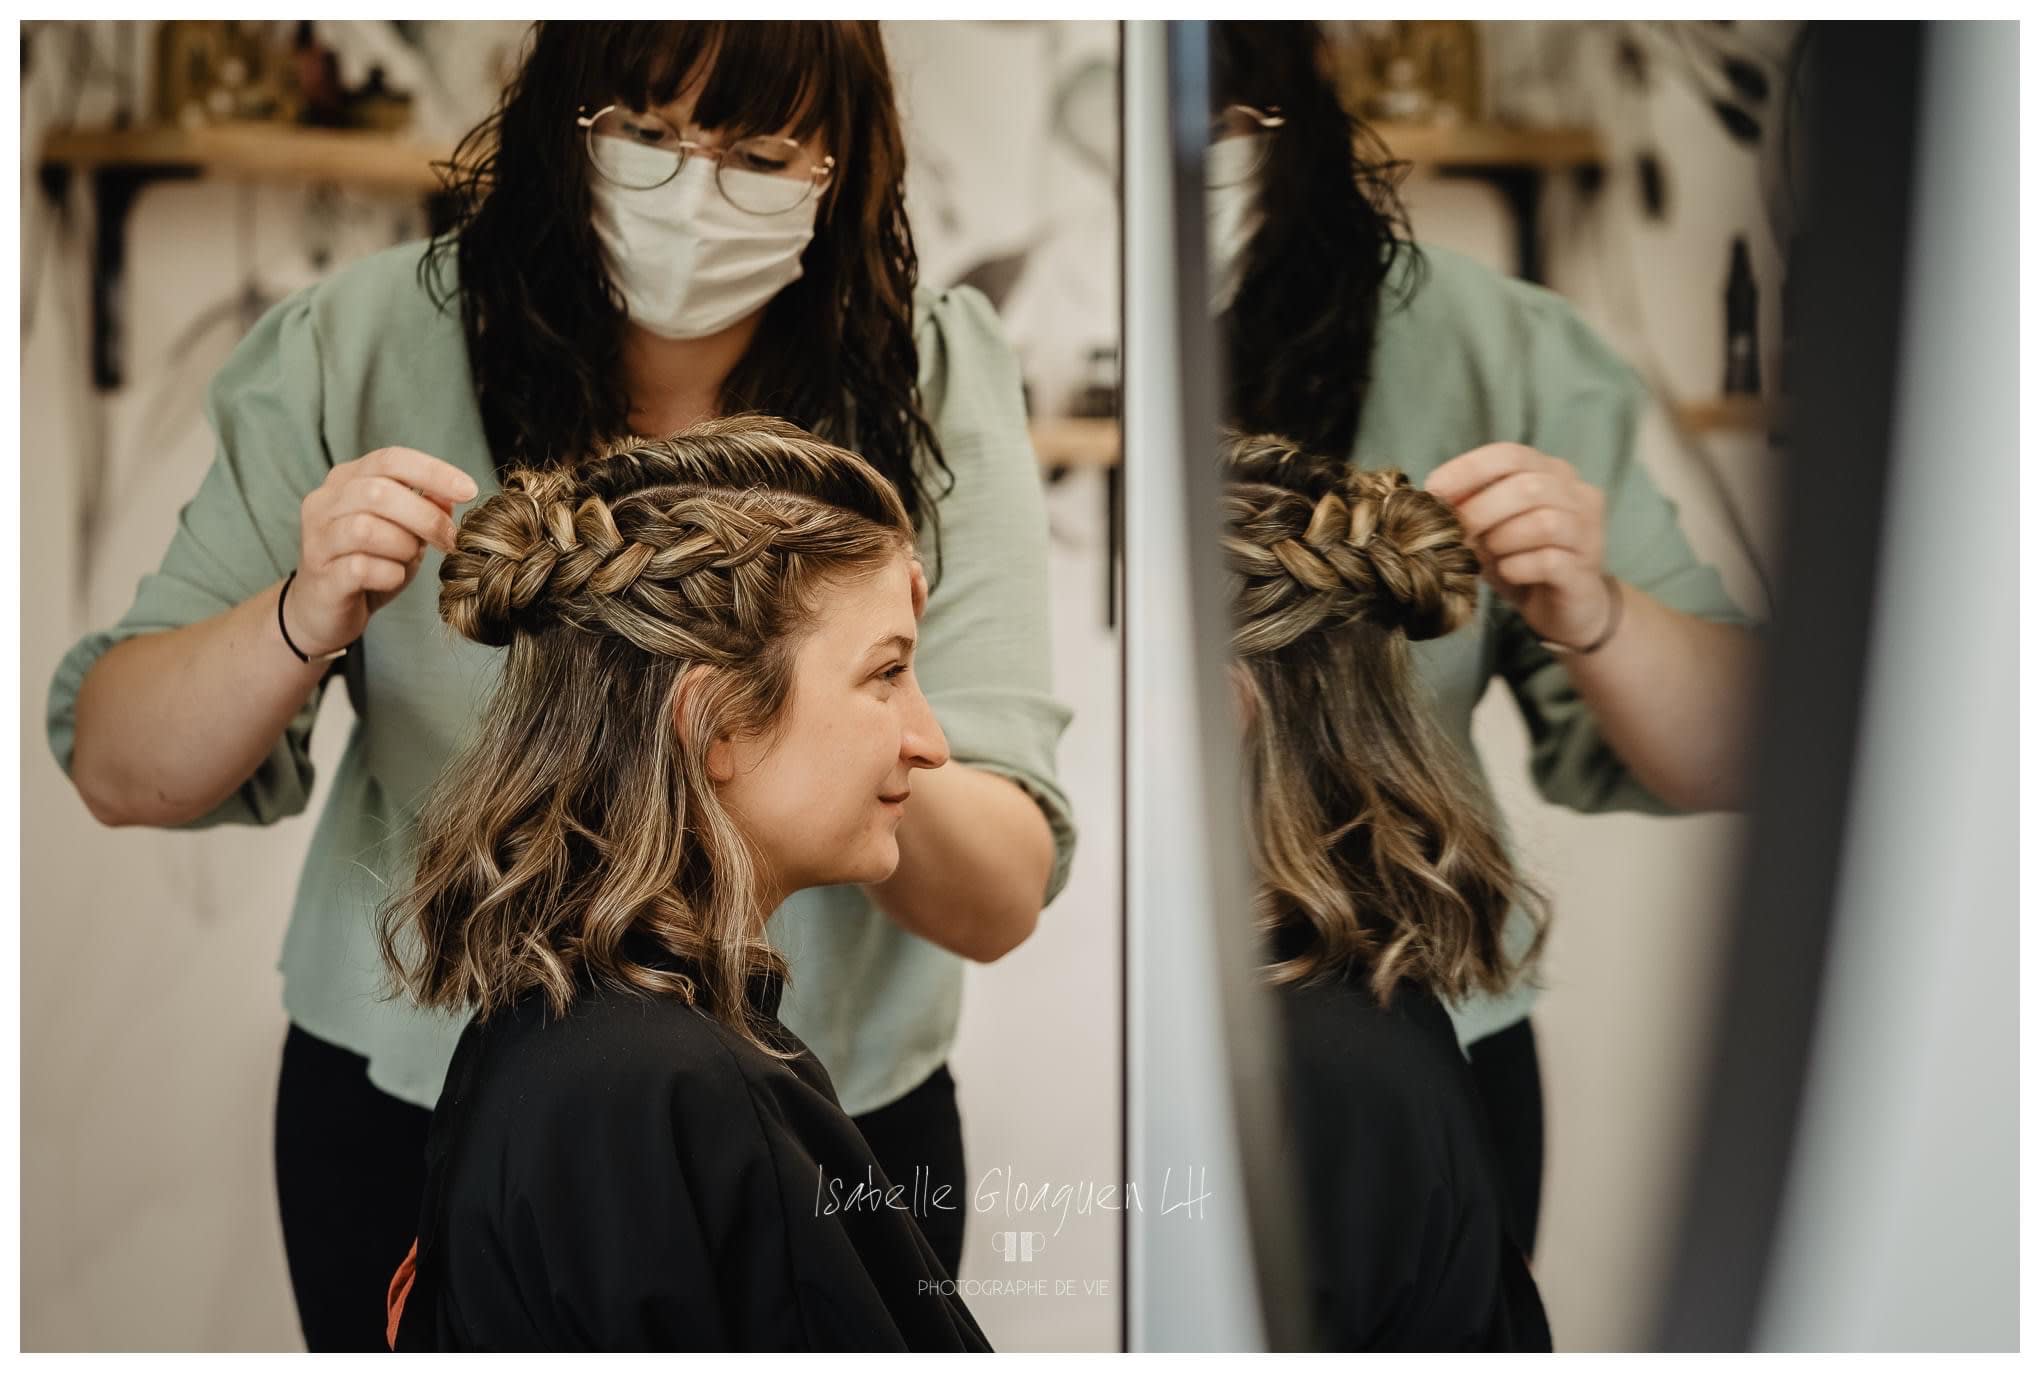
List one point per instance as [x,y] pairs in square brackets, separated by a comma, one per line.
[720,768]
[715,752]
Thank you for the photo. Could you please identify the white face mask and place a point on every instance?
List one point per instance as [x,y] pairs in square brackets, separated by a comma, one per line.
[688,262]
[1232,213]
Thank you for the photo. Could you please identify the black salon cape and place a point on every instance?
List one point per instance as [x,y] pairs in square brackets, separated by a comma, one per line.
[637,1177]
[1400,1186]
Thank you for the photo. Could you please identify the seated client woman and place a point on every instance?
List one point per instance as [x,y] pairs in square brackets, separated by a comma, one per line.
[708,702]
[1382,890]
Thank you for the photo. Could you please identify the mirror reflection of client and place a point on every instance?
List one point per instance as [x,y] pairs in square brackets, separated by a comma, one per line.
[1383,889]
[708,703]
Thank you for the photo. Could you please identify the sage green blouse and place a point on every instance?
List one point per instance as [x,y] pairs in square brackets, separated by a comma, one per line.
[1473,357]
[364,360]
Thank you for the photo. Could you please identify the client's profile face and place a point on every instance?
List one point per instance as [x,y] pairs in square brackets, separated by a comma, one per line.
[822,795]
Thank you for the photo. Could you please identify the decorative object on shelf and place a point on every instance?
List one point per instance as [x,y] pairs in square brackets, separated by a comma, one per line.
[323,104]
[1414,71]
[210,70]
[1098,397]
[376,107]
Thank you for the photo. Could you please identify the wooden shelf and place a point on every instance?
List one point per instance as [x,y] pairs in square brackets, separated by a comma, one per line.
[264,151]
[1730,414]
[256,152]
[1066,442]
[1447,146]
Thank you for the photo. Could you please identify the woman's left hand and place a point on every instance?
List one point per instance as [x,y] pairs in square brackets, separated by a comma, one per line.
[1536,527]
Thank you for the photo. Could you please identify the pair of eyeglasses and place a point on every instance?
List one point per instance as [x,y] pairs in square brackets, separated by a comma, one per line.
[639,151]
[1240,122]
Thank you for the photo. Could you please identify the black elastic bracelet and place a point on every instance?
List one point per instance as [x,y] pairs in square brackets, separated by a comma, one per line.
[283,630]
[1607,630]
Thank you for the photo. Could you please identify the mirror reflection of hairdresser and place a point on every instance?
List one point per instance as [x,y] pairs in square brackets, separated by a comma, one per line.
[708,702]
[1382,889]
[1623,651]
[660,222]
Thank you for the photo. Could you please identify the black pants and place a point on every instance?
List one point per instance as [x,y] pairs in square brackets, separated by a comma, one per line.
[1505,1070]
[923,1130]
[350,1174]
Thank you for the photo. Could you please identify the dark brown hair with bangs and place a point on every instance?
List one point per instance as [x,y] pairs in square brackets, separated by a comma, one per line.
[835,353]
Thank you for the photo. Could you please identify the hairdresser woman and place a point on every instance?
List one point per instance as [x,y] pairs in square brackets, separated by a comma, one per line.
[1624,653]
[660,222]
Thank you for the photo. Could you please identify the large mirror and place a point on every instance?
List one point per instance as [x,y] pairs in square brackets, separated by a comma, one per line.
[1566,889]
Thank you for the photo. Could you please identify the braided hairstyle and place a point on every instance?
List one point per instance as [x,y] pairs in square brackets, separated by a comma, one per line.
[1321,544]
[1375,848]
[653,595]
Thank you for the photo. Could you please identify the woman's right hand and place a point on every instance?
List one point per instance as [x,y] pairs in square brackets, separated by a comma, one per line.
[361,538]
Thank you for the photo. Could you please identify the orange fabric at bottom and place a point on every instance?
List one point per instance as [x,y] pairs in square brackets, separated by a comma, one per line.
[400,1288]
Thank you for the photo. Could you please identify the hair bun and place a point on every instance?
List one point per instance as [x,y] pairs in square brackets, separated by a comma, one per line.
[495,581]
[1319,544]
[1428,575]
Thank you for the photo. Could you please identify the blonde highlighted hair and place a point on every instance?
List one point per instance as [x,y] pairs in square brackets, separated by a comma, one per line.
[578,815]
[1375,848]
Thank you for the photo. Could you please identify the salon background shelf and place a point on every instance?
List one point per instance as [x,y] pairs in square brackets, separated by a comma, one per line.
[1731,414]
[1515,161]
[260,151]
[1492,145]
[1065,442]
[121,163]
[254,152]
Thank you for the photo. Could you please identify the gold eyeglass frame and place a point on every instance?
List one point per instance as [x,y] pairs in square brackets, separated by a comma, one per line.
[817,177]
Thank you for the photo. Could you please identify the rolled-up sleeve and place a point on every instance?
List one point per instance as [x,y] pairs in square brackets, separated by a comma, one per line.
[985,665]
[1586,407]
[237,535]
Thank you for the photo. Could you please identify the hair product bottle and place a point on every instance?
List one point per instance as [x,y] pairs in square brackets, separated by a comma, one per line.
[1740,375]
